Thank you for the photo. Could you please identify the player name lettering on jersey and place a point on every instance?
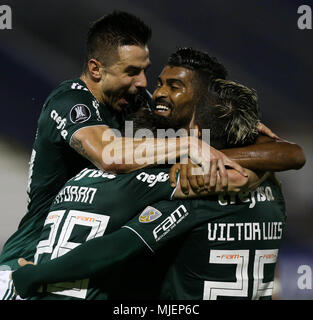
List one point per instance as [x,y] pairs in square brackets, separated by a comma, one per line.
[61,123]
[260,194]
[76,194]
[152,179]
[245,231]
[93,173]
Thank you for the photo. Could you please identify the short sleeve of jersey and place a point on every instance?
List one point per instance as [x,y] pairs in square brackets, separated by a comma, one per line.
[74,109]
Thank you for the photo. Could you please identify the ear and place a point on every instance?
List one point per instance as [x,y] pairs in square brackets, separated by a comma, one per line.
[94,68]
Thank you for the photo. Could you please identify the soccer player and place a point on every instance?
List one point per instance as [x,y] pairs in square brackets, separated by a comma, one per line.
[78,117]
[232,256]
[174,75]
[91,204]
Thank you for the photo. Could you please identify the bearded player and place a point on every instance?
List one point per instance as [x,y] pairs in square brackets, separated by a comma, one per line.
[180,77]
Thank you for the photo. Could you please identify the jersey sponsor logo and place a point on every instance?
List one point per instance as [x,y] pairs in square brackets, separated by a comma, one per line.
[152,179]
[260,194]
[149,214]
[80,113]
[170,222]
[77,86]
[61,123]
[93,173]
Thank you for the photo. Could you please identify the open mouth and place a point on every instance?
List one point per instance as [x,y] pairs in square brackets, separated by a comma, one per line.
[162,109]
[122,101]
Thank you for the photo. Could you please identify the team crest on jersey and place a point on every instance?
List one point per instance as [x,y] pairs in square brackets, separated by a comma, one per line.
[80,113]
[149,214]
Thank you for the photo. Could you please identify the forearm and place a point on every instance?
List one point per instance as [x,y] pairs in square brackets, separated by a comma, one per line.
[94,256]
[134,154]
[270,156]
[111,152]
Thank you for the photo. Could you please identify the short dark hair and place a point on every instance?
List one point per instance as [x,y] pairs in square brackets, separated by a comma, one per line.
[200,61]
[109,32]
[206,68]
[231,112]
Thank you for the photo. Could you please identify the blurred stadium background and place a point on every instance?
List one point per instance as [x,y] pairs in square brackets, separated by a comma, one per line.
[258,41]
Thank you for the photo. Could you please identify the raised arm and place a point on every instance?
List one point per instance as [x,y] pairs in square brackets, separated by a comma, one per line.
[110,152]
[268,154]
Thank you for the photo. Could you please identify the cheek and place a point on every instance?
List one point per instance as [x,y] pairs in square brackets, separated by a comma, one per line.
[184,112]
[178,97]
[117,83]
[184,106]
[126,82]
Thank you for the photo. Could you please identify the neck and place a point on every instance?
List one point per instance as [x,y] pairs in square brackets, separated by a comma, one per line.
[93,87]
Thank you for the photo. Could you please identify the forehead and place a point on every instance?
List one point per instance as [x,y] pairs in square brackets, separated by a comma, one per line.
[137,56]
[177,73]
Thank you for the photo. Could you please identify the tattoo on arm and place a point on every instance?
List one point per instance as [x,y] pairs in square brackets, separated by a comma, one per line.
[77,145]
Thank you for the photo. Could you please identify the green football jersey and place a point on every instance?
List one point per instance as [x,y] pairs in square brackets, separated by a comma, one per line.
[68,108]
[230,252]
[91,204]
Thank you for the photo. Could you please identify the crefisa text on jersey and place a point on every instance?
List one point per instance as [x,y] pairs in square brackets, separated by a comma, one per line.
[260,194]
[165,310]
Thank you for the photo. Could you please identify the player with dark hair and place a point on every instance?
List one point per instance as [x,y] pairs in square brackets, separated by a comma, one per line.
[232,256]
[116,59]
[77,122]
[155,224]
[106,35]
[75,216]
[207,67]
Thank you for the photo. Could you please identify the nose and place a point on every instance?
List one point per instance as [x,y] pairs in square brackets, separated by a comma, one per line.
[141,80]
[160,92]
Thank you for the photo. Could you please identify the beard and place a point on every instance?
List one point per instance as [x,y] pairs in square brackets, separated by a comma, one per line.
[146,119]
[135,102]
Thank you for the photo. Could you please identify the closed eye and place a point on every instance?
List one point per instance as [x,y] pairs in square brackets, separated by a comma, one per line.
[135,71]
[175,83]
[132,71]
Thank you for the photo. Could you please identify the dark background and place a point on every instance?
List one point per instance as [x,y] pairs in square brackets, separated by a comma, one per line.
[258,41]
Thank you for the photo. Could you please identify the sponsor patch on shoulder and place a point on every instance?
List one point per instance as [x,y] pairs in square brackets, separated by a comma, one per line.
[80,113]
[149,214]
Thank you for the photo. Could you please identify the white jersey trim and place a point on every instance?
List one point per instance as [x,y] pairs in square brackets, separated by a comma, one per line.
[94,125]
[139,236]
[172,195]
